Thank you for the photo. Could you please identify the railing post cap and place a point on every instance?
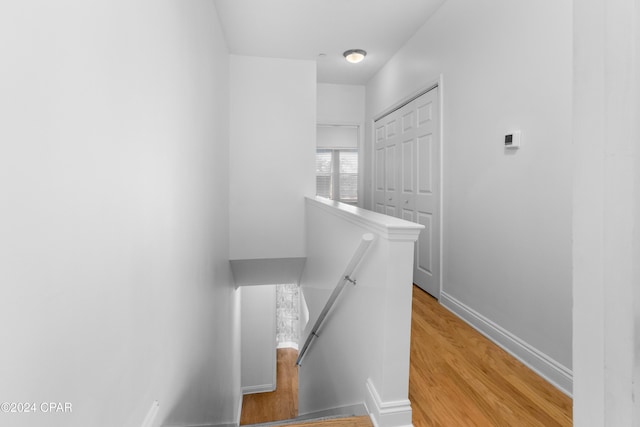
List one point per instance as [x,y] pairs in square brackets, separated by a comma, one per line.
[368,237]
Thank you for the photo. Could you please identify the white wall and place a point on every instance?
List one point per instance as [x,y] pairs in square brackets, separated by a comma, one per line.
[116,289]
[272,159]
[341,104]
[606,206]
[505,65]
[258,338]
[267,271]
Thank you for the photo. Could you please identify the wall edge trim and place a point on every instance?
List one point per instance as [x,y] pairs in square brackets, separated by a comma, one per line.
[239,410]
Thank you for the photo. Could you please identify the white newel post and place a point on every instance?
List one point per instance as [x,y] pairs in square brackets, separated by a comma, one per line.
[388,391]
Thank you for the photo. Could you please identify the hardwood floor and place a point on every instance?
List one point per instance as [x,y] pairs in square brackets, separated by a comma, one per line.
[457,378]
[460,378]
[281,404]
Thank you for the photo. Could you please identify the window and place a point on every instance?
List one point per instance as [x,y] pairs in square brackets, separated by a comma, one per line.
[337,162]
[287,315]
[337,174]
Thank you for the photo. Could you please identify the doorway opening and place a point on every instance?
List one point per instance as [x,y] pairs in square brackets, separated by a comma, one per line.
[281,401]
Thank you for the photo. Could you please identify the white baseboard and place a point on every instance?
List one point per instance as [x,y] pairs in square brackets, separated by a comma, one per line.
[262,388]
[557,374]
[288,344]
[387,414]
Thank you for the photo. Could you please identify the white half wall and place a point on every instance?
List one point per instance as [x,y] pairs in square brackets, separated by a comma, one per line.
[505,66]
[362,352]
[258,338]
[114,221]
[272,157]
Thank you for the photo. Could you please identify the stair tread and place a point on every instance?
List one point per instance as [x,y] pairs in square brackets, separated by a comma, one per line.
[359,421]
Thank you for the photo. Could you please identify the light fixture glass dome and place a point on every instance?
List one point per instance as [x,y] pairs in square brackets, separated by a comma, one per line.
[355,55]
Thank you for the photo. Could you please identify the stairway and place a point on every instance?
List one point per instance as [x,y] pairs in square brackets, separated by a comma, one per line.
[348,416]
[361,421]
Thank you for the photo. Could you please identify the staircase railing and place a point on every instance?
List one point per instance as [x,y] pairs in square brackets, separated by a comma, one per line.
[366,241]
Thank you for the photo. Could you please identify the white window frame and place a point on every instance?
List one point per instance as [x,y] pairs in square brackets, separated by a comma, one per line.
[335,172]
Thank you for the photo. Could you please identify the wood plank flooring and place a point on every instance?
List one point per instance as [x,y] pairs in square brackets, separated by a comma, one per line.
[281,404]
[460,378]
[457,378]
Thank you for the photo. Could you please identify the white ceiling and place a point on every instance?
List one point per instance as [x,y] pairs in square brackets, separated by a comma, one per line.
[304,29]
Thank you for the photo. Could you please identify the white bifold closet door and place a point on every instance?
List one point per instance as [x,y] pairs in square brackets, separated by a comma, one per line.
[407,178]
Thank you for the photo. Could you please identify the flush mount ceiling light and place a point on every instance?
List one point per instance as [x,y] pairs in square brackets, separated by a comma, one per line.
[355,55]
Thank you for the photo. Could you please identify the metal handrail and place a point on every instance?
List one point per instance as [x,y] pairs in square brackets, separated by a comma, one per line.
[367,238]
